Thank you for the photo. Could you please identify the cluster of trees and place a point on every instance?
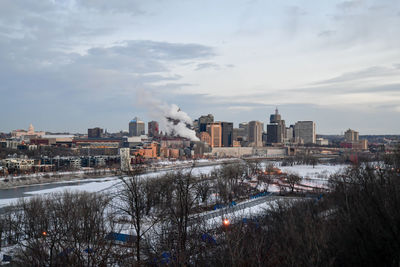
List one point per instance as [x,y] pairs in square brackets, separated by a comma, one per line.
[59,230]
[300,158]
[357,223]
[157,211]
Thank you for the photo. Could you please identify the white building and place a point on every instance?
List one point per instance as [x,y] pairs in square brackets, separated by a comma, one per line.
[18,163]
[322,142]
[125,159]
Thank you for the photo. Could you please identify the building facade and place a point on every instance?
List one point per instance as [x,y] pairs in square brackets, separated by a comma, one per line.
[95,132]
[255,133]
[136,127]
[304,131]
[214,129]
[227,134]
[153,129]
[203,121]
[276,129]
[351,136]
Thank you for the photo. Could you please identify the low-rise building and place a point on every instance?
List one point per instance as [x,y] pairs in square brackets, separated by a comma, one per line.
[18,164]
[322,142]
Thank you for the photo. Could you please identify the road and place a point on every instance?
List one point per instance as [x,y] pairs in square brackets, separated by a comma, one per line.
[240,206]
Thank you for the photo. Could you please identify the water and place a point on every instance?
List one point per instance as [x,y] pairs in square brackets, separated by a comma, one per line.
[23,190]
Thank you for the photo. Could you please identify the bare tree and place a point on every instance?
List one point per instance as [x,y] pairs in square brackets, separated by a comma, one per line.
[63,229]
[292,180]
[136,199]
[203,189]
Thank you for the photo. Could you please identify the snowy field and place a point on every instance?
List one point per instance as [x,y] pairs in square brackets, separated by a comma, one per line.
[321,171]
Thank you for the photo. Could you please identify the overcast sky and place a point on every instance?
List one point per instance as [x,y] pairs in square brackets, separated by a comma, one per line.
[69,65]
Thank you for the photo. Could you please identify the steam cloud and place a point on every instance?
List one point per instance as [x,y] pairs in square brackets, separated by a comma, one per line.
[171,118]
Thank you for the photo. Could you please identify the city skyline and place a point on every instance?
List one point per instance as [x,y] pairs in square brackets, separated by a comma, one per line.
[69,66]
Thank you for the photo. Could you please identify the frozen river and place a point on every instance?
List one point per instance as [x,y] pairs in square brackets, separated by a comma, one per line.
[109,184]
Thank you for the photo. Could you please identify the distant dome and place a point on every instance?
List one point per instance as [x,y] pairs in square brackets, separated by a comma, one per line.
[31,128]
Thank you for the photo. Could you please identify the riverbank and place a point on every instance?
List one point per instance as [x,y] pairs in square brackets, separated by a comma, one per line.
[48,178]
[54,177]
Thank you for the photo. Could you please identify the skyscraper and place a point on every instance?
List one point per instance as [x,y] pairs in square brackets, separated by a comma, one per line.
[276,130]
[152,129]
[214,129]
[305,131]
[255,133]
[245,129]
[275,118]
[273,131]
[227,134]
[136,127]
[204,120]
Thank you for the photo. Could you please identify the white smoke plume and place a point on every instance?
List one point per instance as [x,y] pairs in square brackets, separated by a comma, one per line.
[171,118]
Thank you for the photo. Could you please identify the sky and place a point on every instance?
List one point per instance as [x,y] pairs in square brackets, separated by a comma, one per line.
[71,65]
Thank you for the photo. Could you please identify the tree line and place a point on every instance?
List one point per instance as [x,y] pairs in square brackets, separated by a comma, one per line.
[356,223]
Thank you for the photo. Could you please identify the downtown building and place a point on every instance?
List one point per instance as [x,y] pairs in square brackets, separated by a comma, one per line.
[153,129]
[136,127]
[214,131]
[227,134]
[218,134]
[276,129]
[304,132]
[203,121]
[255,131]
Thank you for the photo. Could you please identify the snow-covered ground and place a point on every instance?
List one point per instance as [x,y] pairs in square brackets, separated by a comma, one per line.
[322,171]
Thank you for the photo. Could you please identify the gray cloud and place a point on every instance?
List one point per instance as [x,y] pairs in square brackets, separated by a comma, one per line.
[295,11]
[207,65]
[116,6]
[144,56]
[350,5]
[326,33]
[371,72]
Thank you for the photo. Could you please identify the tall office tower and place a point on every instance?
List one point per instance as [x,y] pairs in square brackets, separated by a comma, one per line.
[245,127]
[136,127]
[351,136]
[95,132]
[273,131]
[275,118]
[276,130]
[152,129]
[203,121]
[305,131]
[255,133]
[214,129]
[227,134]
